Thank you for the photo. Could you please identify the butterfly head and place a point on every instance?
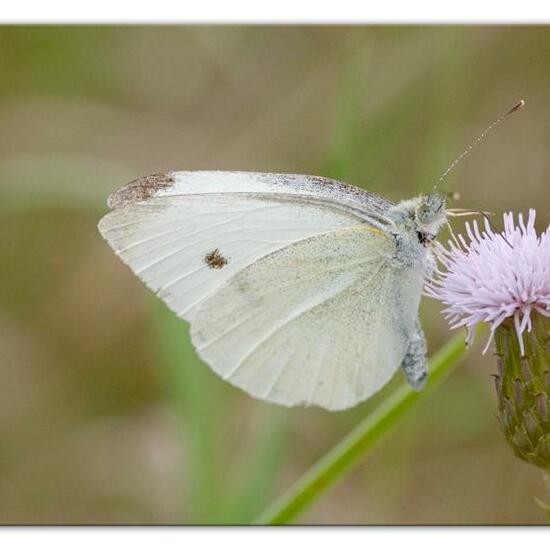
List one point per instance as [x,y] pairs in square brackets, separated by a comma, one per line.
[429,216]
[430,212]
[422,216]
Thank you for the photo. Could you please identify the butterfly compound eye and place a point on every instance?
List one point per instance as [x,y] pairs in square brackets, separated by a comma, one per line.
[424,213]
[429,209]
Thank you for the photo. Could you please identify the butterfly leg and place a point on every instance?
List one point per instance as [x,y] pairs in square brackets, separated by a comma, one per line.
[415,362]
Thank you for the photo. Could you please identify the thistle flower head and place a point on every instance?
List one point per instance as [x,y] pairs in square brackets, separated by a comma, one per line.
[503,279]
[494,276]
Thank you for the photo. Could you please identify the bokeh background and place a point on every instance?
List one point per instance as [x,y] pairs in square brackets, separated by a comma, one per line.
[106,413]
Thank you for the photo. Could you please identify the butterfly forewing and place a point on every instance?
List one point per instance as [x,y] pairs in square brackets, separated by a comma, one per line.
[184,248]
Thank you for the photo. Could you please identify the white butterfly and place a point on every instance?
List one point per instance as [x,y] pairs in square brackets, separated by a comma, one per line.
[300,290]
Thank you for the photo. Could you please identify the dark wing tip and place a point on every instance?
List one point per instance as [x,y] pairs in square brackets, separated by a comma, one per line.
[140,189]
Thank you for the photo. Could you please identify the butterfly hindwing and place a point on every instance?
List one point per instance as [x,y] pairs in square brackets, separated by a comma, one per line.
[316,323]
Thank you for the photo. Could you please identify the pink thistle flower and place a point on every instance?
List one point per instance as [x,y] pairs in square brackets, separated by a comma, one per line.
[494,277]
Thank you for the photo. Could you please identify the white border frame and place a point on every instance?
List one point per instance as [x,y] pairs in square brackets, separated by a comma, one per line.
[282,11]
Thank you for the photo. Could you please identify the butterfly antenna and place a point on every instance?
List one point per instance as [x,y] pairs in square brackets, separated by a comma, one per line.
[480,138]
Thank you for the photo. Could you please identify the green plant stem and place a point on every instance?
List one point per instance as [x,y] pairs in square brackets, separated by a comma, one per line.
[350,450]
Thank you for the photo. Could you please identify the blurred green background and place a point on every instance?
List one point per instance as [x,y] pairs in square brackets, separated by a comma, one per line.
[106,414]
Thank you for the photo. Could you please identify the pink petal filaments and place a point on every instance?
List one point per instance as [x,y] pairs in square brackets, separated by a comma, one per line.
[494,276]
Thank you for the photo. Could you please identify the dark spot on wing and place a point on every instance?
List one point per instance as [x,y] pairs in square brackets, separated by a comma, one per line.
[214,259]
[140,189]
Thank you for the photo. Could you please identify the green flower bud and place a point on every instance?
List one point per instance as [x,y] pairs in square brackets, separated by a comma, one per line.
[523,389]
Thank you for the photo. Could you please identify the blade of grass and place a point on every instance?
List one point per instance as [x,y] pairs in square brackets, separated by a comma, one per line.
[346,157]
[350,450]
[191,388]
[261,467]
